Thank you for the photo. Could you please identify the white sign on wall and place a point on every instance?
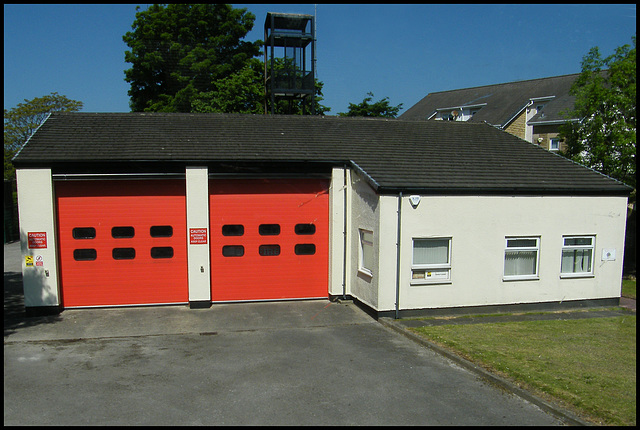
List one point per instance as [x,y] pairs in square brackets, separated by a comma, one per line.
[609,254]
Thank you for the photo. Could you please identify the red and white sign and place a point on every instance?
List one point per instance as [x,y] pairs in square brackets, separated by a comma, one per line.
[37,239]
[198,236]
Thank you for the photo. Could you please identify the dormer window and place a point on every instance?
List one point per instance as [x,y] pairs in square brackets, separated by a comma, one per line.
[453,115]
[446,116]
[456,113]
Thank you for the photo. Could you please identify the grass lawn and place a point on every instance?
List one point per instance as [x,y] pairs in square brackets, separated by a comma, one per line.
[585,365]
[629,288]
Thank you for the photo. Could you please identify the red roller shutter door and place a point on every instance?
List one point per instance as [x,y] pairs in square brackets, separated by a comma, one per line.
[269,239]
[122,242]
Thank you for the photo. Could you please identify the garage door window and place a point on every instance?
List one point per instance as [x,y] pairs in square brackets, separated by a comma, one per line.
[232,251]
[162,252]
[161,231]
[232,230]
[269,229]
[305,249]
[269,250]
[84,233]
[305,229]
[123,253]
[84,254]
[122,232]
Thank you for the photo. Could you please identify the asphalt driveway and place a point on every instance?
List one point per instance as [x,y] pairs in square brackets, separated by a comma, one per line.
[282,363]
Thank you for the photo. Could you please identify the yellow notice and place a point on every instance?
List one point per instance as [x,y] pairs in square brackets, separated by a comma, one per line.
[28,260]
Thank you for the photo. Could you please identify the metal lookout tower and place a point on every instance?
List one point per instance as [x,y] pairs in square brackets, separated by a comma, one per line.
[289,61]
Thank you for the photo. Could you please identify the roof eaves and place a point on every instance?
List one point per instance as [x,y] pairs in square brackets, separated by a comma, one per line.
[368,177]
[514,116]
[29,138]
[460,106]
[514,191]
[553,122]
[531,101]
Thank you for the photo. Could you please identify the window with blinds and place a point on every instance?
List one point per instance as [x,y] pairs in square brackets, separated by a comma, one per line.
[431,261]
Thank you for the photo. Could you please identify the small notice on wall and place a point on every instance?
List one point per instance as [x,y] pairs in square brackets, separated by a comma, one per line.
[198,236]
[37,240]
[608,255]
[28,260]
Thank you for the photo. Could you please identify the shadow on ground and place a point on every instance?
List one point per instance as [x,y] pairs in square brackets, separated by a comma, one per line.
[15,316]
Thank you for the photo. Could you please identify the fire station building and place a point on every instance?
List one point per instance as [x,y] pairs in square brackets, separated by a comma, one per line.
[131,209]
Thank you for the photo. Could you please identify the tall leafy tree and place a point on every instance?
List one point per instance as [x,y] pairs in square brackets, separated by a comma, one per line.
[381,108]
[605,137]
[22,121]
[180,53]
[241,92]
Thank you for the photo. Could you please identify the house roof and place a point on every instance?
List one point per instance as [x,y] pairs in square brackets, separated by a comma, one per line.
[503,101]
[415,156]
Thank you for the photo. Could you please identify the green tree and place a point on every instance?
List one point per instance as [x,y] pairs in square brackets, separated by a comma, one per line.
[241,92]
[381,108]
[179,52]
[605,137]
[22,121]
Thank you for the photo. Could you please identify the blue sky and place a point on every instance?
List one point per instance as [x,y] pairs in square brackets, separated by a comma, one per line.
[398,51]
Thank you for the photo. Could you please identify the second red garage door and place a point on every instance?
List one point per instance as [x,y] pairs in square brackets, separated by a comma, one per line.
[269,239]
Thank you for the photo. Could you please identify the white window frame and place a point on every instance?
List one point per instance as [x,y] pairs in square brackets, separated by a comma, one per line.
[515,249]
[438,273]
[365,249]
[551,141]
[575,248]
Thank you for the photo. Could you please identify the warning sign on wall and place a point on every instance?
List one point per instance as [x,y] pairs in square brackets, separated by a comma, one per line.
[28,260]
[37,239]
[198,236]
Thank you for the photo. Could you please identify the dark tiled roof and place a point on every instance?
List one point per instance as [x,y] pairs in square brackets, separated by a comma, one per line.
[420,156]
[503,101]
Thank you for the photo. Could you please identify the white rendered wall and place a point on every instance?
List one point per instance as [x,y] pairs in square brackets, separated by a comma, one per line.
[36,209]
[478,226]
[364,213]
[337,193]
[197,180]
[388,251]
